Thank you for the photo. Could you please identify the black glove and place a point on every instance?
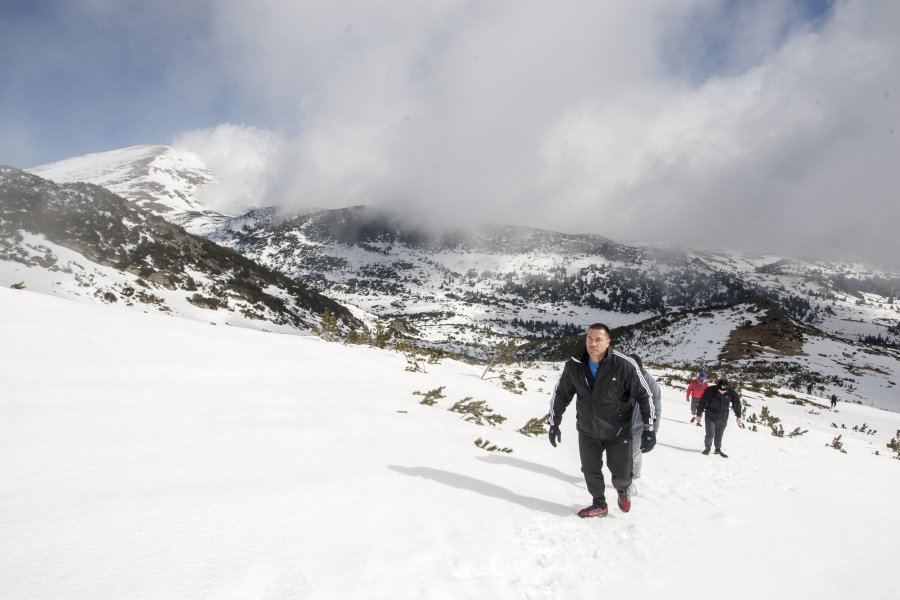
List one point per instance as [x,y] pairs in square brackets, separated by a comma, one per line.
[648,440]
[555,435]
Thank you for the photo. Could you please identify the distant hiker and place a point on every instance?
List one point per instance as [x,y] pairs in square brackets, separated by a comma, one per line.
[833,400]
[694,392]
[715,402]
[809,389]
[607,384]
[637,424]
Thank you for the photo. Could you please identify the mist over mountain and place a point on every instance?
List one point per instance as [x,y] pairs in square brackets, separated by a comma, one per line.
[292,334]
[467,290]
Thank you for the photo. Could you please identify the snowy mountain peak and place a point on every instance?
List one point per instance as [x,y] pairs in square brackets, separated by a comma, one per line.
[160,179]
[82,241]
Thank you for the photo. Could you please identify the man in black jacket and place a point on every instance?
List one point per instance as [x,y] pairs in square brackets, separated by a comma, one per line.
[607,384]
[715,401]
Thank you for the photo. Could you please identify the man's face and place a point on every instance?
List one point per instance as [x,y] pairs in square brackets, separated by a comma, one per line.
[597,342]
[722,390]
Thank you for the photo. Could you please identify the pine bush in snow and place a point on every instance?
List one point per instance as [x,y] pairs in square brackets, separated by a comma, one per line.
[476,411]
[487,445]
[431,397]
[535,426]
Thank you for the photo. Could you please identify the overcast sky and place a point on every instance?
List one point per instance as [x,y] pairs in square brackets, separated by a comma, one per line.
[768,126]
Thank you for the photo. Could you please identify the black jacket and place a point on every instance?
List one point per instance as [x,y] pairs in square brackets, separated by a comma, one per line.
[604,407]
[716,404]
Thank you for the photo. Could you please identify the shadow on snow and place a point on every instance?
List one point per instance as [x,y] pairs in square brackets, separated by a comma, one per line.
[484,488]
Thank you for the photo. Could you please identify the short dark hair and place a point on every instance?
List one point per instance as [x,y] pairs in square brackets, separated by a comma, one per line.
[601,326]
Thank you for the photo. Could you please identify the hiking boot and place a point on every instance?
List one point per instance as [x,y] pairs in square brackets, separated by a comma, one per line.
[722,454]
[624,501]
[698,423]
[705,452]
[693,419]
[593,510]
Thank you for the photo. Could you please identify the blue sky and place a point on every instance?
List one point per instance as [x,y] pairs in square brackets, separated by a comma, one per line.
[581,116]
[81,77]
[711,41]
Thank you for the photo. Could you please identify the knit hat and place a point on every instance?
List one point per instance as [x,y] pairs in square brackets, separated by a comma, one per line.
[722,384]
[702,374]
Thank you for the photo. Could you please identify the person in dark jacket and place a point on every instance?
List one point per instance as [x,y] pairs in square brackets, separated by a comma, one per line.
[637,424]
[607,384]
[714,402]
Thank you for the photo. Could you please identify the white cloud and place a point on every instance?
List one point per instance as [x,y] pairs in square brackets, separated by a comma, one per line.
[792,156]
[581,119]
[243,160]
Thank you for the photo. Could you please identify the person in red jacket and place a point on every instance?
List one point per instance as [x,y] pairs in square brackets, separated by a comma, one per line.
[695,392]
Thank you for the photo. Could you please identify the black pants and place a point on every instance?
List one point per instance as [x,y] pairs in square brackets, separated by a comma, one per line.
[618,460]
[714,430]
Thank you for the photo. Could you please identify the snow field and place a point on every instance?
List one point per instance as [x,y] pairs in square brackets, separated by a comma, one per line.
[143,456]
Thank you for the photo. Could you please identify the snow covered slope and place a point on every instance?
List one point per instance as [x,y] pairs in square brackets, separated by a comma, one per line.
[477,288]
[149,457]
[467,291]
[758,346]
[159,179]
[849,300]
[495,282]
[761,346]
[82,241]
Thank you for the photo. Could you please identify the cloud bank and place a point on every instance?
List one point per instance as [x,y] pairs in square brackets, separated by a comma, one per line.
[244,160]
[764,127]
[768,131]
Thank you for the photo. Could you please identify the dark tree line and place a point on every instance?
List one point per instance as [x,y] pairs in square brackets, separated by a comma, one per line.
[547,329]
[878,340]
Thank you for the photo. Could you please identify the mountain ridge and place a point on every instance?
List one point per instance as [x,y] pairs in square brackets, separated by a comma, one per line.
[468,291]
[133,255]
